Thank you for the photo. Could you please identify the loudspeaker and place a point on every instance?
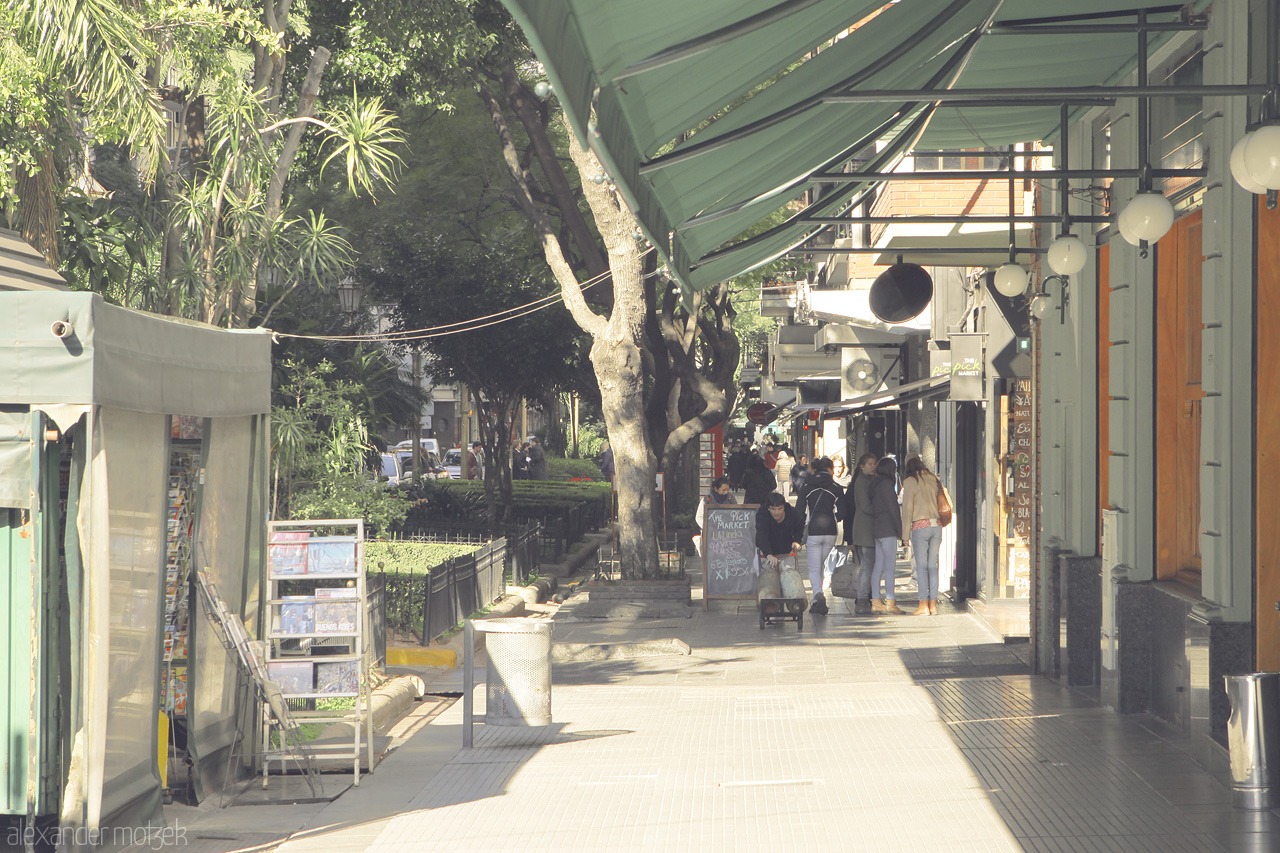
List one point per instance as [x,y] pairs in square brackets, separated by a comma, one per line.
[900,293]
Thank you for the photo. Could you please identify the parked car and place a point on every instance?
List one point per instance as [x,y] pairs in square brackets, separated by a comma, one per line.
[453,462]
[392,471]
[431,467]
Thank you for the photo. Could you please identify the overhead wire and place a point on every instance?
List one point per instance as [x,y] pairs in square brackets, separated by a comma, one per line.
[461,326]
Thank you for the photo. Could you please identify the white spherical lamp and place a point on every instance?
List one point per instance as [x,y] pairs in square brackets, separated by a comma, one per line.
[1122,225]
[1040,305]
[1067,255]
[1262,156]
[1150,216]
[1238,170]
[542,88]
[1010,280]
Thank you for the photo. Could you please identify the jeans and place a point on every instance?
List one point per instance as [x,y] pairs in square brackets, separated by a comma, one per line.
[866,565]
[886,568]
[818,547]
[924,551]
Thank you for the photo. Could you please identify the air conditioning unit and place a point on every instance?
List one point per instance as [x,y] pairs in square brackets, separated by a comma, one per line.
[866,370]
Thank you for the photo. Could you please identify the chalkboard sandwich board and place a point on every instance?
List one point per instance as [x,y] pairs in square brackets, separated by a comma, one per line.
[729,552]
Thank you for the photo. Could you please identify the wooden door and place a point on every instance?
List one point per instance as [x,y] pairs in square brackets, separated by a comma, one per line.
[1267,439]
[1178,395]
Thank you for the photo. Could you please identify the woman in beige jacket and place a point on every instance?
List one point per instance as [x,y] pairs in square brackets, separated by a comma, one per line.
[920,522]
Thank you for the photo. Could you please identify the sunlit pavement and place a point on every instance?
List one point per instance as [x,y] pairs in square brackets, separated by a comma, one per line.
[856,733]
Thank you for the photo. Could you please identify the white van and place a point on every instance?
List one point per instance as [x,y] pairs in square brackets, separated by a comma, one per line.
[430,444]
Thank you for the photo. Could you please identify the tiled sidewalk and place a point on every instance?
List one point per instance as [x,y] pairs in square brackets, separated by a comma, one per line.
[858,733]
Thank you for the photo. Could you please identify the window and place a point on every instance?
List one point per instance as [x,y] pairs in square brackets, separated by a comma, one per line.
[1177,124]
[962,160]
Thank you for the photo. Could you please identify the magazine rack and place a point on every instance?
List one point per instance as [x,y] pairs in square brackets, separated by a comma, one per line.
[250,656]
[317,638]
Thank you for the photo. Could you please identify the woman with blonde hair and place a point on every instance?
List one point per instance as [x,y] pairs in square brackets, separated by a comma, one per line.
[920,489]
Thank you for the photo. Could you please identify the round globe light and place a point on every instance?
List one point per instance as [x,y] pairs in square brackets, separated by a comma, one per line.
[1238,170]
[1126,231]
[542,88]
[1010,280]
[1040,305]
[1150,216]
[1262,156]
[1067,255]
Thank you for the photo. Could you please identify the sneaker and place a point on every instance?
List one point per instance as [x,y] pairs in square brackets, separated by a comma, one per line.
[819,606]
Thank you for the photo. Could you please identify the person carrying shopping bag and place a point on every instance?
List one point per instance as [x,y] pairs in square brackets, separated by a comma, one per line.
[922,520]
[819,499]
[886,528]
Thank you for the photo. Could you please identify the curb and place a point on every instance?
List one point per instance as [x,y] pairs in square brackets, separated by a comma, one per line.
[388,703]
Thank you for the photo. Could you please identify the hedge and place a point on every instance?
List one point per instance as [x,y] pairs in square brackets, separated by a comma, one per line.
[411,557]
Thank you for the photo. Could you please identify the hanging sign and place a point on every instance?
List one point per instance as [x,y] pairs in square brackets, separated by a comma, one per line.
[967,366]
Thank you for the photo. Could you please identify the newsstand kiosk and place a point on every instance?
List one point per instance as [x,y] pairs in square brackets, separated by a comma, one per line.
[133,450]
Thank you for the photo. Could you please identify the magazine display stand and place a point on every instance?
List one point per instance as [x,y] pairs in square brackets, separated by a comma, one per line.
[251,657]
[318,648]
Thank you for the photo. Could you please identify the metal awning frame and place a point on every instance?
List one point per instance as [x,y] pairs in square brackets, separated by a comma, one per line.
[921,389]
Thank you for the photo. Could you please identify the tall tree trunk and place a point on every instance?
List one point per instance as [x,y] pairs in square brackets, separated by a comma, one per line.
[617,341]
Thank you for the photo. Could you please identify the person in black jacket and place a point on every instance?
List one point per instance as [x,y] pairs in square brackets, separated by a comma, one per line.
[737,465]
[779,529]
[820,499]
[886,528]
[757,481]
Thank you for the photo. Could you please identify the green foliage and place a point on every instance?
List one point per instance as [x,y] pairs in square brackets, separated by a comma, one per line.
[319,437]
[411,557]
[346,495]
[565,469]
[443,499]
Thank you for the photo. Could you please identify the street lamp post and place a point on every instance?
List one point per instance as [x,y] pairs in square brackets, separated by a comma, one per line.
[349,295]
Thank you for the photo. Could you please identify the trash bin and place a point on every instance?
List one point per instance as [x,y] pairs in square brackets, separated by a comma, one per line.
[518,689]
[1253,738]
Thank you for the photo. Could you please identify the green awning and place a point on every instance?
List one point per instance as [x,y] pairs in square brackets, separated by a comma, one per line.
[668,79]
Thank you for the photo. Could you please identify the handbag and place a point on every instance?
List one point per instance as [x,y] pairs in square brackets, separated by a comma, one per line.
[844,574]
[944,506]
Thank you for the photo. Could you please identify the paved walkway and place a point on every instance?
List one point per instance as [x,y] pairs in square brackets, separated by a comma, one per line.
[858,733]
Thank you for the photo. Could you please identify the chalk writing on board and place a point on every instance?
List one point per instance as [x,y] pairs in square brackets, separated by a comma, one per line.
[728,548]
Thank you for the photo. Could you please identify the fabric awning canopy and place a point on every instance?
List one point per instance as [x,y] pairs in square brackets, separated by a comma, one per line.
[131,360]
[707,138]
[934,386]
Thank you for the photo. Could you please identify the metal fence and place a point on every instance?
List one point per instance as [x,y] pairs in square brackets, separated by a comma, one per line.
[430,604]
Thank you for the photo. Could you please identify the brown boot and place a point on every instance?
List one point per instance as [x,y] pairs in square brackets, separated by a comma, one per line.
[933,607]
[922,609]
[877,605]
[891,607]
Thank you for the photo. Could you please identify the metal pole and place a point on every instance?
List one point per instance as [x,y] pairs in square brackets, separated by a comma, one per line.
[1064,189]
[468,681]
[998,96]
[923,219]
[1144,149]
[1001,174]
[1013,234]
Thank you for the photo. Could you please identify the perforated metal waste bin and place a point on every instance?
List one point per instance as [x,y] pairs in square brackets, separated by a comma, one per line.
[1253,737]
[518,688]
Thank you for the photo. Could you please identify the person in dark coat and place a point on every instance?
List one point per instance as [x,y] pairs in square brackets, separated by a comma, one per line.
[799,474]
[519,461]
[736,466]
[606,462]
[537,459]
[820,500]
[857,528]
[779,529]
[757,481]
[886,528]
